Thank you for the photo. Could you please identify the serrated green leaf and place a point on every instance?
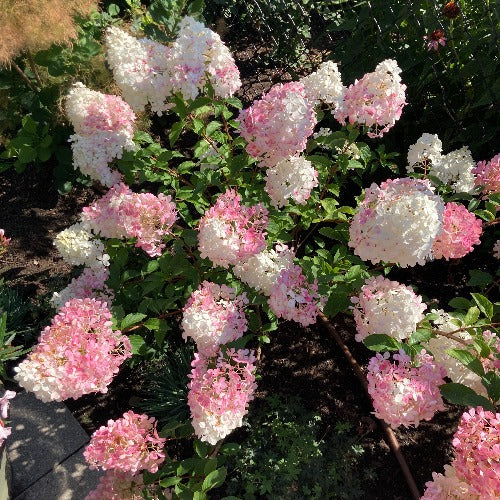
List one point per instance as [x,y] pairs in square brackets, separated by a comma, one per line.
[170,481]
[491,381]
[131,319]
[472,316]
[214,479]
[479,278]
[484,304]
[175,132]
[462,395]
[201,448]
[420,335]
[136,341]
[459,303]
[468,359]
[381,342]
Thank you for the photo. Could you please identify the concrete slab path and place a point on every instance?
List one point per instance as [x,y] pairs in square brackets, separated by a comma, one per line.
[46,452]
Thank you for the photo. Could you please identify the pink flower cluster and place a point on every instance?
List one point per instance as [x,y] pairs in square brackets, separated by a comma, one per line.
[447,486]
[488,175]
[477,445]
[4,241]
[77,354]
[387,307]
[129,444]
[294,299]
[230,232]
[90,284]
[278,124]
[403,394]
[4,409]
[219,393]
[214,315]
[103,129]
[460,230]
[375,101]
[121,213]
[118,485]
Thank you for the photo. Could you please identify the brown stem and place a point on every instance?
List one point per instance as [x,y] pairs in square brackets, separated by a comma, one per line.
[33,68]
[215,450]
[492,222]
[24,76]
[389,434]
[450,336]
[161,316]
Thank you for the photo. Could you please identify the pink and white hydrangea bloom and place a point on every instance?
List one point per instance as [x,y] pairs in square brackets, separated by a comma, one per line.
[426,151]
[128,444]
[295,299]
[219,393]
[375,101]
[230,232]
[488,175]
[5,432]
[460,230]
[78,247]
[140,68]
[448,486]
[403,394]
[291,178]
[104,127]
[121,213]
[456,170]
[214,315]
[477,446]
[4,241]
[118,485]
[261,271]
[77,354]
[324,85]
[90,284]
[278,124]
[397,222]
[197,56]
[387,307]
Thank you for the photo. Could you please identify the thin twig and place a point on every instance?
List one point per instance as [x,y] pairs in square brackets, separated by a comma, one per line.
[491,222]
[24,76]
[161,316]
[389,434]
[450,336]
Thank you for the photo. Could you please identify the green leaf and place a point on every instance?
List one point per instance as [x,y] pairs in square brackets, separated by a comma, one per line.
[136,341]
[381,342]
[234,101]
[485,215]
[113,9]
[491,381]
[472,316]
[196,7]
[462,395]
[214,479]
[170,481]
[175,132]
[212,127]
[479,278]
[484,304]
[131,319]
[468,359]
[459,303]
[201,448]
[421,335]
[26,154]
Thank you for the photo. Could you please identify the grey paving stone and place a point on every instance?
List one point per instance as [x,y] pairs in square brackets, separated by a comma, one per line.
[43,435]
[71,480]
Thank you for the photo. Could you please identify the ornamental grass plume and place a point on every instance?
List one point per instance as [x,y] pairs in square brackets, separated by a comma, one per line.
[33,25]
[376,101]
[230,232]
[294,299]
[460,230]
[278,124]
[78,353]
[219,393]
[128,444]
[477,446]
[214,315]
[291,178]
[397,222]
[387,307]
[403,394]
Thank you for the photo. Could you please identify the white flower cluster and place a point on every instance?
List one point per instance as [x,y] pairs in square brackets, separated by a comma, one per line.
[294,178]
[427,149]
[454,169]
[103,129]
[397,222]
[140,68]
[439,344]
[261,271]
[78,248]
[149,72]
[324,85]
[387,307]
